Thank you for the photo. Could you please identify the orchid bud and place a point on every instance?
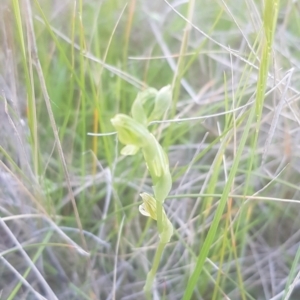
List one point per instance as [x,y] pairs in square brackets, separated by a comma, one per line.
[143,105]
[162,103]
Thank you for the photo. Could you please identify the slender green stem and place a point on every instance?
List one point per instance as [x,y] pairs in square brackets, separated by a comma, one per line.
[152,272]
[159,216]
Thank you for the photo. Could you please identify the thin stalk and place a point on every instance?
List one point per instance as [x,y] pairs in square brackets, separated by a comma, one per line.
[152,272]
[159,216]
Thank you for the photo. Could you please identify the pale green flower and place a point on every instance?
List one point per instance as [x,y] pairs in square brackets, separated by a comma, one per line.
[130,132]
[148,209]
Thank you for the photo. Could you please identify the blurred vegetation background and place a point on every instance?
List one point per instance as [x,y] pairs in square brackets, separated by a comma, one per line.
[70,226]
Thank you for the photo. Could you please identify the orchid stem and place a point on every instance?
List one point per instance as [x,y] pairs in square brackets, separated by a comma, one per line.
[151,275]
[159,216]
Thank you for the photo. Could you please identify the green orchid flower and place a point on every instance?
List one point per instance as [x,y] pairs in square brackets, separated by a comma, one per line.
[130,133]
[149,209]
